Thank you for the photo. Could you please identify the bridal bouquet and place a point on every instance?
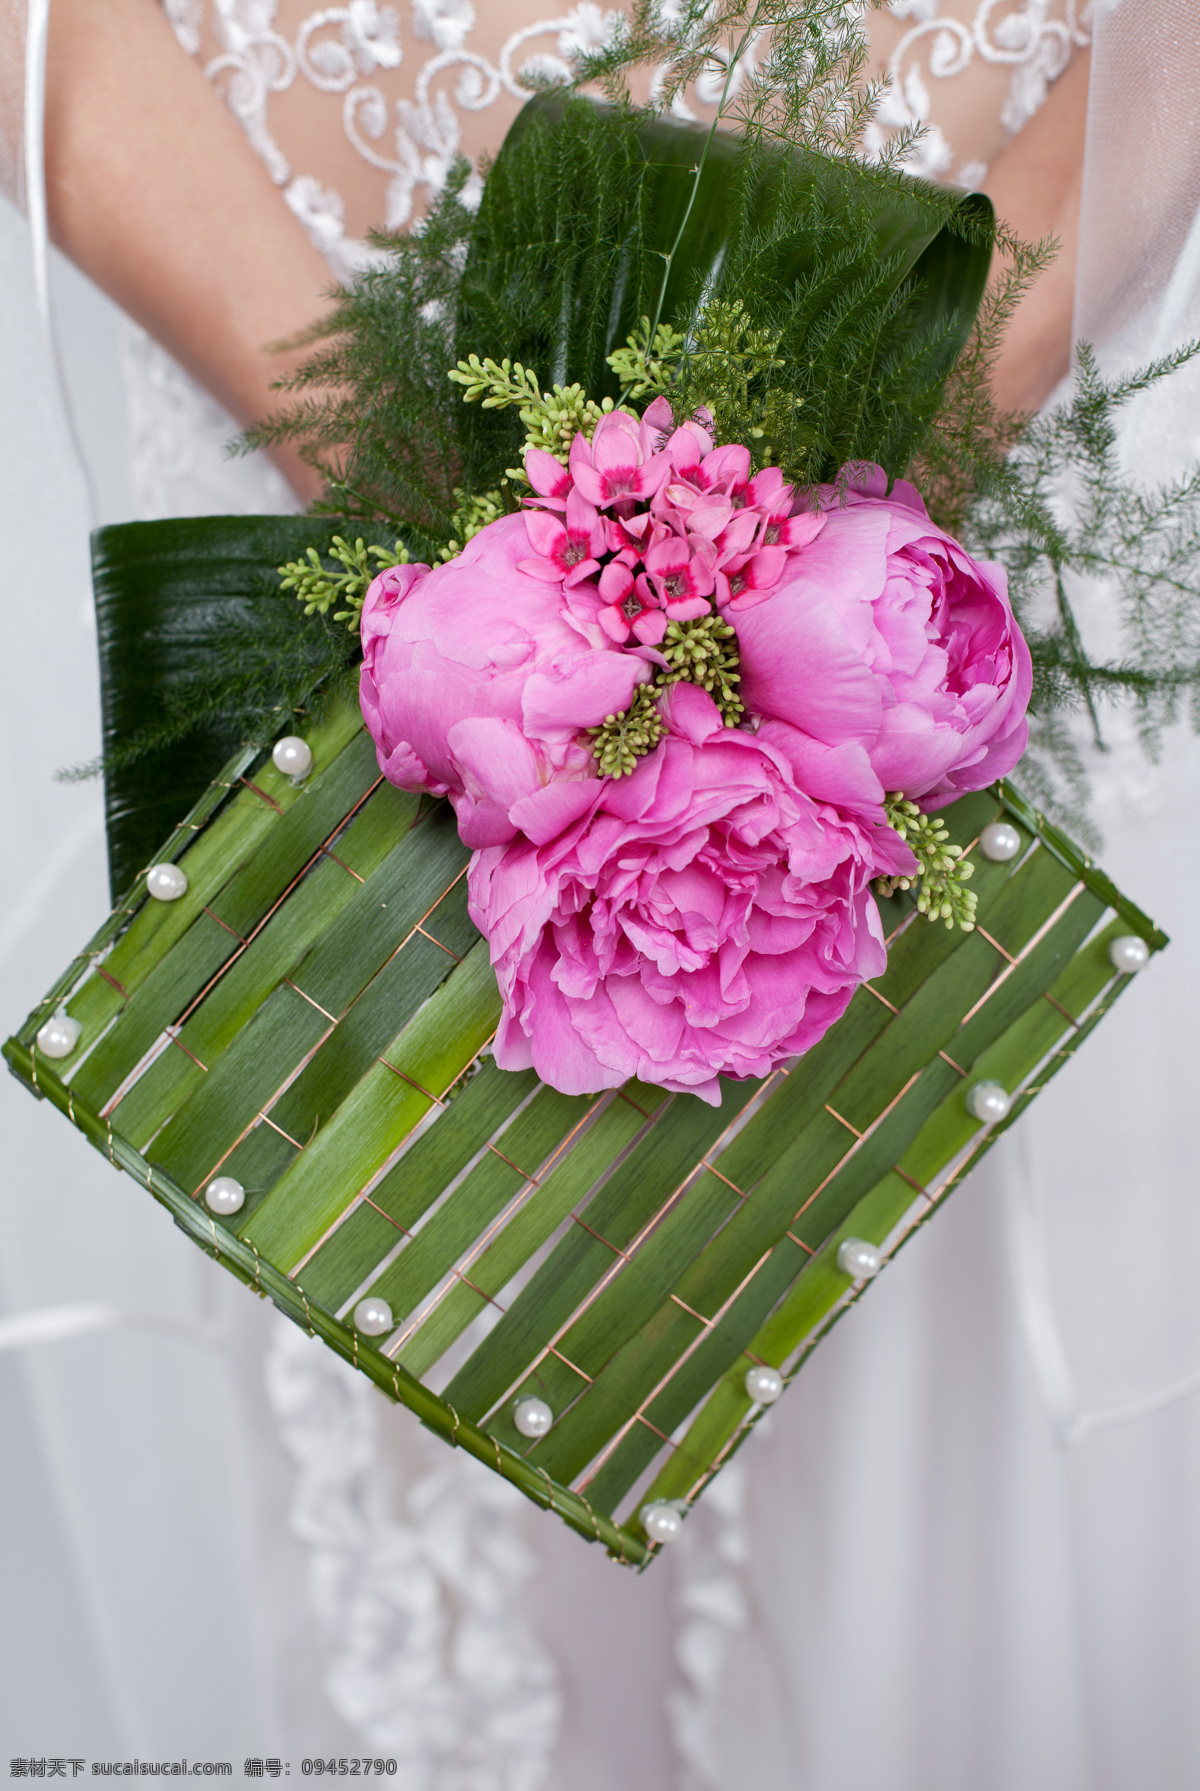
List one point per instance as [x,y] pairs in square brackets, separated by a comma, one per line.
[535,998]
[666,702]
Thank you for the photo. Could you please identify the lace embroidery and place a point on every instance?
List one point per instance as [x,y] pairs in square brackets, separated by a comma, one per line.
[1022,37]
[347,52]
[430,1657]
[342,51]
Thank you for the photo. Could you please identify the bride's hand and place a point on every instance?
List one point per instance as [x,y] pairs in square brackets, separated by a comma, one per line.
[154,192]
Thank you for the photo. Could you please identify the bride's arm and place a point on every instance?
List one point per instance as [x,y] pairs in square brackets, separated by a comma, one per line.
[1035,184]
[153,190]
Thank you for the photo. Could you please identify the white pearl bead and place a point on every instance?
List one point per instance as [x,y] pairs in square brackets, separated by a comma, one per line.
[224,1195]
[59,1036]
[662,1519]
[1129,954]
[764,1384]
[1000,841]
[373,1316]
[532,1417]
[166,882]
[858,1259]
[292,756]
[989,1102]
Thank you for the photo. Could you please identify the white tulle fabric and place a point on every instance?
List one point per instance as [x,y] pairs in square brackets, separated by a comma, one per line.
[1109,1220]
[901,1583]
[417,1585]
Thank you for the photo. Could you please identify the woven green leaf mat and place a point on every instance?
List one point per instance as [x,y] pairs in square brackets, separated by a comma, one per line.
[312,1017]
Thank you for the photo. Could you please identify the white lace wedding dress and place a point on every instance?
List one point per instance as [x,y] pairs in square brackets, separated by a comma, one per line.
[905,1582]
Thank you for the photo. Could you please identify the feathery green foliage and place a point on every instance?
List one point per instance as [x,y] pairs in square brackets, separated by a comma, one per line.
[372,408]
[1060,511]
[792,73]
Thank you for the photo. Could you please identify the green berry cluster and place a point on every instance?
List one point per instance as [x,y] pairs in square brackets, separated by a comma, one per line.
[472,515]
[622,739]
[700,652]
[646,366]
[552,419]
[317,588]
[942,872]
[697,652]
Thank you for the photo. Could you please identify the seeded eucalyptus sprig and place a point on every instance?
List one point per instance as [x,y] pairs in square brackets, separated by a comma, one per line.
[317,588]
[627,736]
[704,652]
[942,870]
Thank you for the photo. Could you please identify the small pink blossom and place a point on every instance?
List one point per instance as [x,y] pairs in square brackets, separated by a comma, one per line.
[568,550]
[677,578]
[627,611]
[746,581]
[617,466]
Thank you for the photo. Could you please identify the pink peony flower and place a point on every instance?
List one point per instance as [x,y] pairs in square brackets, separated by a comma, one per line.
[702,917]
[475,684]
[884,636]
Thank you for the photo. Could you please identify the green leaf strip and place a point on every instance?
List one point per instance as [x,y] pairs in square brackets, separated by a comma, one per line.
[243,1260]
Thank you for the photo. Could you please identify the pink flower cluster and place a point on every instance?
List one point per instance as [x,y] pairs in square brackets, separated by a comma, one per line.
[649,524]
[708,914]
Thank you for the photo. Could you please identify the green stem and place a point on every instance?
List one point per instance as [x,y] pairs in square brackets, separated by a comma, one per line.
[370,503]
[669,257]
[1078,656]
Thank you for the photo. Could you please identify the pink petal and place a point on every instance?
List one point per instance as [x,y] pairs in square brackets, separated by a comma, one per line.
[687,609]
[616,582]
[840,774]
[650,627]
[691,713]
[495,756]
[804,527]
[548,476]
[615,623]
[550,810]
[659,416]
[547,536]
[546,570]
[598,684]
